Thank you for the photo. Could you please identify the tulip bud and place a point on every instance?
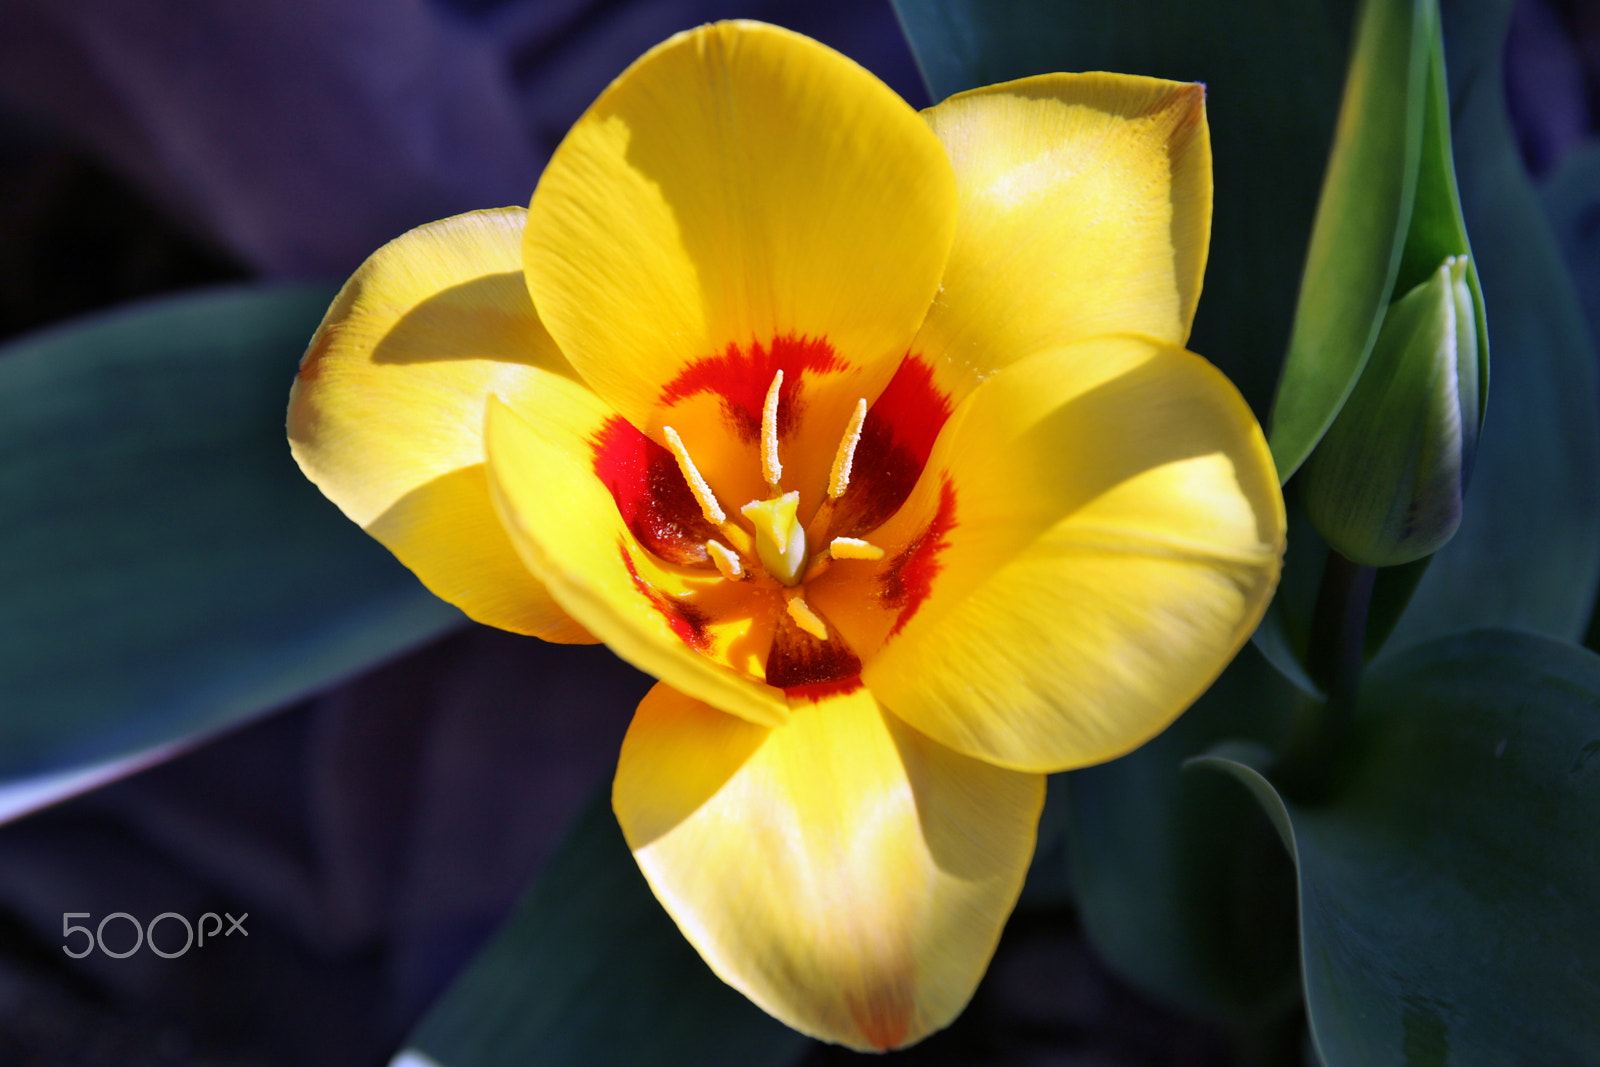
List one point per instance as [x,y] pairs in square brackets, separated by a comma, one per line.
[1384,486]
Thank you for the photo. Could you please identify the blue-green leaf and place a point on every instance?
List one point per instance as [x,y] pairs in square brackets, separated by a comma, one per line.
[590,970]
[1449,886]
[165,570]
[1181,885]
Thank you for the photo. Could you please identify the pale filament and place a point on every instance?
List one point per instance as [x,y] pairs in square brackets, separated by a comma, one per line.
[771,469]
[691,474]
[853,548]
[806,619]
[726,559]
[839,475]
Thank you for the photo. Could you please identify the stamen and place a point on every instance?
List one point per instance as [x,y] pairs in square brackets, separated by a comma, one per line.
[806,619]
[771,469]
[839,476]
[726,560]
[691,474]
[853,548]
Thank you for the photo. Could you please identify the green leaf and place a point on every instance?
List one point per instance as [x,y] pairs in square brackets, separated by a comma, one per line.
[1448,889]
[1527,555]
[1272,70]
[590,970]
[165,570]
[1360,228]
[1181,884]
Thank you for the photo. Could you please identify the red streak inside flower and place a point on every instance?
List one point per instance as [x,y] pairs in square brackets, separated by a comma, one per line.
[741,378]
[686,620]
[651,495]
[908,579]
[896,438]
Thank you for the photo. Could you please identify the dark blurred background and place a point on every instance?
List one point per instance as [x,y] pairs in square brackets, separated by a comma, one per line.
[377,834]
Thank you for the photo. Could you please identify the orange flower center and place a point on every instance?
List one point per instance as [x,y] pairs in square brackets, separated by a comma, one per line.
[763,561]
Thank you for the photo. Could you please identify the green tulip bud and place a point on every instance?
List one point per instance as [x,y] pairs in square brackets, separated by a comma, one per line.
[1384,486]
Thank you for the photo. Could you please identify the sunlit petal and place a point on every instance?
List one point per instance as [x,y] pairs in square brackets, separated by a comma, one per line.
[741,200]
[845,872]
[1097,532]
[1085,209]
[386,416]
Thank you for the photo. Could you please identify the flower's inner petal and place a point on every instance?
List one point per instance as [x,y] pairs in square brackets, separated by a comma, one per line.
[716,405]
[896,437]
[1085,209]
[687,625]
[1117,531]
[386,415]
[651,494]
[740,187]
[845,872]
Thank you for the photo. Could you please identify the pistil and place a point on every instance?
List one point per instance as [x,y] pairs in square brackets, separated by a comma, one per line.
[780,539]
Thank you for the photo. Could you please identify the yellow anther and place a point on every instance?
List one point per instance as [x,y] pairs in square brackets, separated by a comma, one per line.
[853,548]
[771,469]
[839,476]
[725,558]
[780,539]
[806,619]
[691,474]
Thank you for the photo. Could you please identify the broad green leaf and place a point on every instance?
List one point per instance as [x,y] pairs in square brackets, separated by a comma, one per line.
[165,570]
[1181,884]
[590,970]
[1272,69]
[1449,887]
[1360,228]
[1527,555]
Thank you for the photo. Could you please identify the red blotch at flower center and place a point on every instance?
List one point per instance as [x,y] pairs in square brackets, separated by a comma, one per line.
[734,579]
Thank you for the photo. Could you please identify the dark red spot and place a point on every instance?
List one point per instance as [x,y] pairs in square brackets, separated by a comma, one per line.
[686,620]
[741,378]
[804,666]
[650,492]
[908,578]
[896,438]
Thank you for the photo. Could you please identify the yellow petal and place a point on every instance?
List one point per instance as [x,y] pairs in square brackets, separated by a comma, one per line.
[1097,532]
[1085,209]
[843,871]
[742,200]
[386,415]
[549,467]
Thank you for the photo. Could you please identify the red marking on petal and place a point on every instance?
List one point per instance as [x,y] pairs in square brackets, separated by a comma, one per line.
[741,378]
[908,579]
[817,692]
[686,620]
[800,661]
[896,438]
[885,1016]
[651,494]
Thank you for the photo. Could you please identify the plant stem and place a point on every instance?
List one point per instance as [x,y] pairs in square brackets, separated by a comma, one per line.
[1336,658]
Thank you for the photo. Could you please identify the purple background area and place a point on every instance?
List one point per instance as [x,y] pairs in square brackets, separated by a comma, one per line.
[378,833]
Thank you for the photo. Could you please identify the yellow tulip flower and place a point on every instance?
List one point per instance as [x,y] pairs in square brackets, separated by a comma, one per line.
[869,433]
